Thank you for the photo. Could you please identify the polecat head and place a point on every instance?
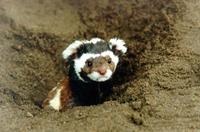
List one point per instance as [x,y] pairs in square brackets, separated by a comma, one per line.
[95,60]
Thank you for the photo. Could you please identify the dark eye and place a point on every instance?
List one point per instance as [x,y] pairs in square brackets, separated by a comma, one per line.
[109,61]
[89,63]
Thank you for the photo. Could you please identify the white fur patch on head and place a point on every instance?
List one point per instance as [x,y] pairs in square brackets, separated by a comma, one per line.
[79,63]
[95,40]
[72,48]
[119,43]
[95,76]
[55,101]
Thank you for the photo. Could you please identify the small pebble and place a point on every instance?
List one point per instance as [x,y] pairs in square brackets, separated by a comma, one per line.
[17,47]
[28,114]
[137,105]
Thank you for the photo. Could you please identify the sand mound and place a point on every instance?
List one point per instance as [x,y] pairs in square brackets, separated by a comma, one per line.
[153,77]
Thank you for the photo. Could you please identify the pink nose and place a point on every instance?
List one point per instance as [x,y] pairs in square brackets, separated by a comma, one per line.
[102,70]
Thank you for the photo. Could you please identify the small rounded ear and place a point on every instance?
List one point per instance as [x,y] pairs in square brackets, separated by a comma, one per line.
[117,46]
[70,52]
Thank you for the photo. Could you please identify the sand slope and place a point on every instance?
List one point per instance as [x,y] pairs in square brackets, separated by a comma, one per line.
[156,89]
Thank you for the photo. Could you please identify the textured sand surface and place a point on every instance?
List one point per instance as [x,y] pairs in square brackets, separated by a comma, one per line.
[157,87]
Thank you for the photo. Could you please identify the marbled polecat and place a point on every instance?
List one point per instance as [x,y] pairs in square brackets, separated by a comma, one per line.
[91,66]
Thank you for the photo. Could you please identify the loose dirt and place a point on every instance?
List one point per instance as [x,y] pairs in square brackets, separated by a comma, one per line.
[157,86]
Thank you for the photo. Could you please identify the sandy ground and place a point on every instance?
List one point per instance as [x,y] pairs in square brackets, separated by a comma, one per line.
[158,83]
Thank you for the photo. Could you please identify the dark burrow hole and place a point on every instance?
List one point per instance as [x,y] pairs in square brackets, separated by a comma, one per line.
[141,25]
[42,67]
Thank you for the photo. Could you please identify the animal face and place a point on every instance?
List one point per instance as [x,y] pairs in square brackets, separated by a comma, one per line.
[95,60]
[97,67]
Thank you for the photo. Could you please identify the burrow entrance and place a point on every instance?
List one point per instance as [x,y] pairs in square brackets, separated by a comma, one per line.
[146,26]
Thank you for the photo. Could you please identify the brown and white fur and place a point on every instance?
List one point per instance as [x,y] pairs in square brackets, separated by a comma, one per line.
[92,64]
